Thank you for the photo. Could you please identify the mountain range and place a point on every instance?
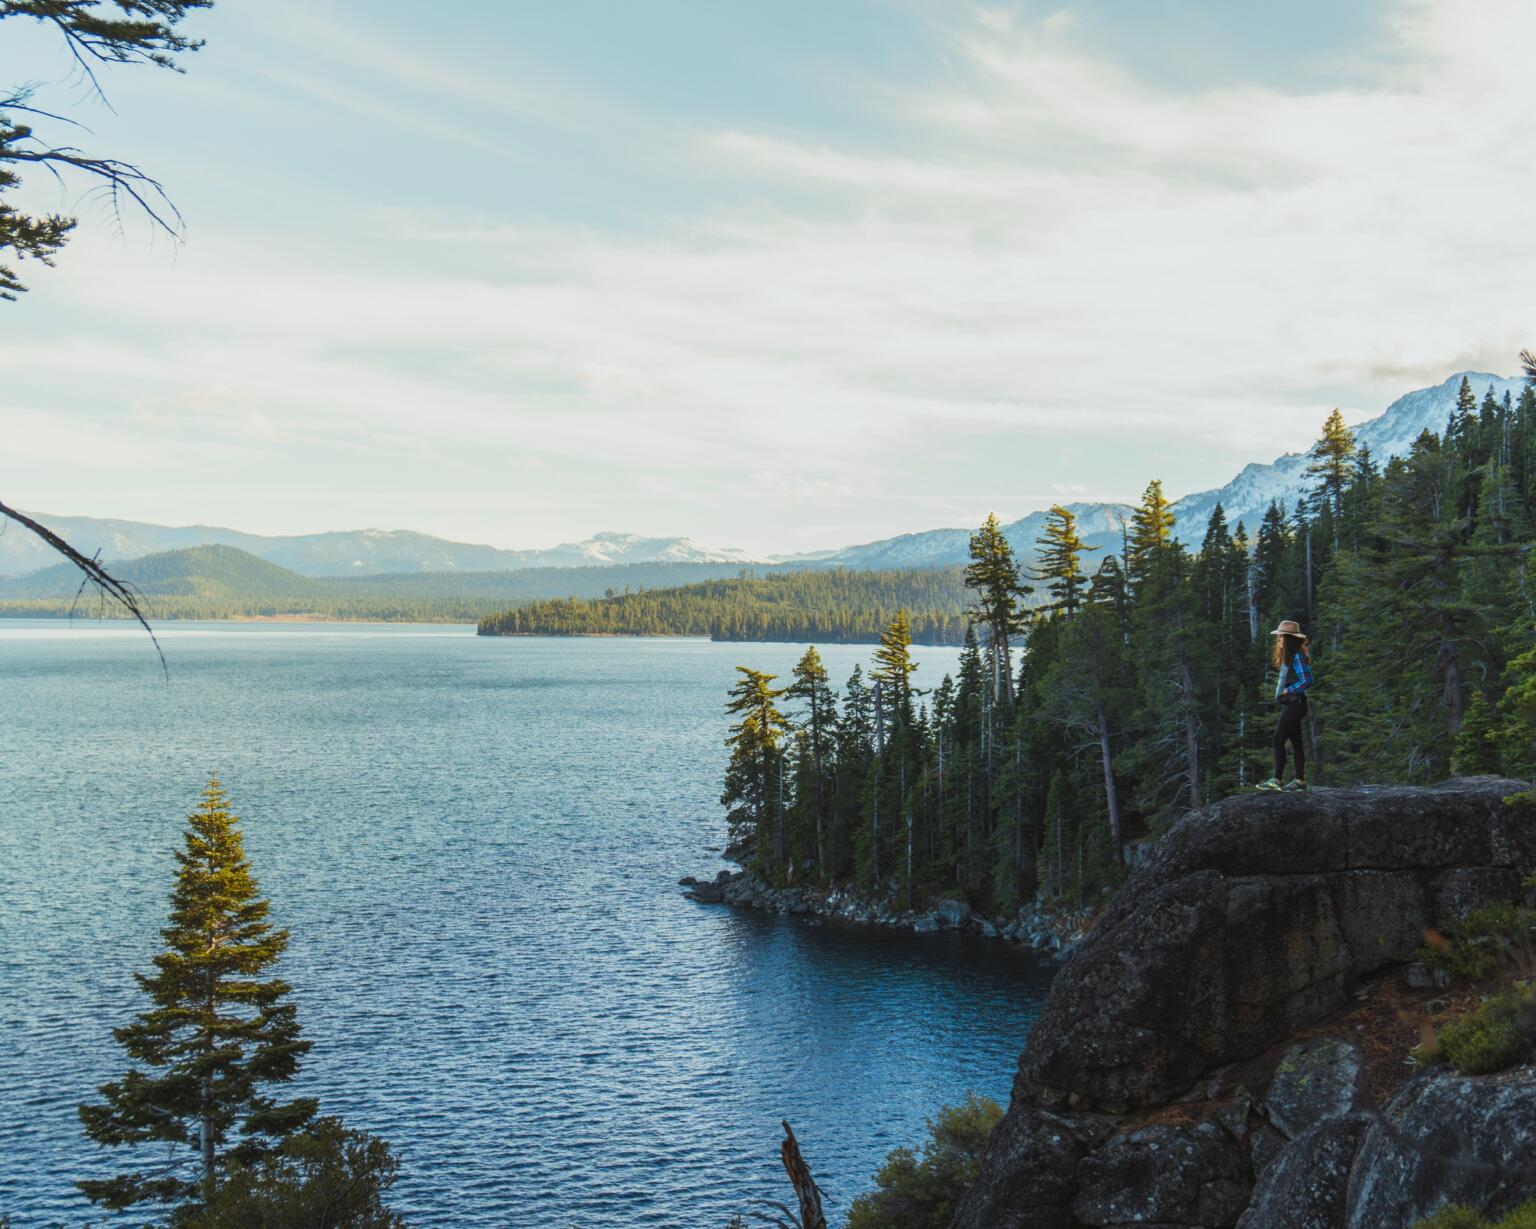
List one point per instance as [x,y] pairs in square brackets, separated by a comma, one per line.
[360,552]
[394,553]
[1245,498]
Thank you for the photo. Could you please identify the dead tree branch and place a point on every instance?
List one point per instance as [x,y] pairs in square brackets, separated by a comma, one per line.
[108,586]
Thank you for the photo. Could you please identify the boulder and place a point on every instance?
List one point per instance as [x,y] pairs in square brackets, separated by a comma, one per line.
[1032,1157]
[1249,922]
[1314,1081]
[926,924]
[1164,1174]
[953,914]
[1265,1146]
[1256,917]
[1446,1139]
[1305,1187]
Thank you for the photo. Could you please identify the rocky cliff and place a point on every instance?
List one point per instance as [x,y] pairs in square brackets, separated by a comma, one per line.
[1228,1045]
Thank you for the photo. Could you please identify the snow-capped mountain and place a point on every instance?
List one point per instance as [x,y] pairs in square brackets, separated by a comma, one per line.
[1245,498]
[362,552]
[610,547]
[377,551]
[1248,496]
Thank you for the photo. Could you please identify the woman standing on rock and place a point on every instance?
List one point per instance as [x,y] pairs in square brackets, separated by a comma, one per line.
[1294,663]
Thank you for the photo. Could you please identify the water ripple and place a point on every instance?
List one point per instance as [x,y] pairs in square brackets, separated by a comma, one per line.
[474,844]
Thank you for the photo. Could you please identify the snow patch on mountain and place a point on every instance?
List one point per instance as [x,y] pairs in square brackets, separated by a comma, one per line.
[1391,434]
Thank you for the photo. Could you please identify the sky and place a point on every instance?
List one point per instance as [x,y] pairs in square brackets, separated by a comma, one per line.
[776,277]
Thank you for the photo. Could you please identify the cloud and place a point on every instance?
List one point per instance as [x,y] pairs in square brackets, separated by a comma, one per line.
[1057,264]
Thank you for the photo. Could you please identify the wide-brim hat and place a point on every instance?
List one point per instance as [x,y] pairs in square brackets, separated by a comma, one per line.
[1289,627]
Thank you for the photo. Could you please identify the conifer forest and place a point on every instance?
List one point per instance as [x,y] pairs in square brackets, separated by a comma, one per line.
[1141,685]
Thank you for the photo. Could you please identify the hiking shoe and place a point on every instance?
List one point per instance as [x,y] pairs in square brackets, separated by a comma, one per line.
[1272,786]
[1294,785]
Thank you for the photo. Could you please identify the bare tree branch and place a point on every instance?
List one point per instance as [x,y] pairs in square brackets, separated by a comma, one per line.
[108,586]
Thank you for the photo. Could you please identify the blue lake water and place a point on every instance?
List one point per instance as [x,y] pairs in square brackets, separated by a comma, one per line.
[475,843]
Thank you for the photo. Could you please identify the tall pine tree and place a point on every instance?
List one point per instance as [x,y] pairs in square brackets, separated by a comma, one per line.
[218,1036]
[993,573]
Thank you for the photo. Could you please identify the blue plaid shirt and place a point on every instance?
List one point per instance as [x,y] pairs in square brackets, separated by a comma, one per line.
[1300,675]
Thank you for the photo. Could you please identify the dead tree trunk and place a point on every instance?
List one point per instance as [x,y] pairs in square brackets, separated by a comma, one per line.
[807,1193]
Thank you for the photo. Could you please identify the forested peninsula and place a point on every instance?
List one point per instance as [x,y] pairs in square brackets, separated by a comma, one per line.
[1144,689]
[834,606]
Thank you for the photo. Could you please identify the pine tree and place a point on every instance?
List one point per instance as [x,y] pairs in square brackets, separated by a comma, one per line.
[1151,533]
[1060,555]
[1330,466]
[1059,841]
[818,726]
[994,574]
[218,1033]
[894,667]
[1087,692]
[754,777]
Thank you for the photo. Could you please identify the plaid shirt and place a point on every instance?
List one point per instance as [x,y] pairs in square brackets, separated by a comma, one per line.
[1300,675]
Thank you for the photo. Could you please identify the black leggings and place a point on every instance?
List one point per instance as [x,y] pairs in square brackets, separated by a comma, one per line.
[1288,729]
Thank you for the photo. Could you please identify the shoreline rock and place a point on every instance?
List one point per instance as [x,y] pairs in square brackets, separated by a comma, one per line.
[1228,1047]
[1051,932]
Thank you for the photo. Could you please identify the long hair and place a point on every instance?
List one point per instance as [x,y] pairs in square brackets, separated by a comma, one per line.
[1286,647]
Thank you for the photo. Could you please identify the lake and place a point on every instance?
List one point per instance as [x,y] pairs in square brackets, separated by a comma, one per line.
[475,843]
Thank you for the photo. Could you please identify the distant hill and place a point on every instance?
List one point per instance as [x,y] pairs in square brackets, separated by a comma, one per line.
[213,572]
[361,552]
[210,582]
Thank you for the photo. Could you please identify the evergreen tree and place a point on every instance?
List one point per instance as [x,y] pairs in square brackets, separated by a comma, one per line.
[994,574]
[1411,631]
[1059,839]
[855,754]
[1088,692]
[1060,555]
[894,667]
[218,1035]
[1151,534]
[754,778]
[818,727]
[1330,466]
[325,1177]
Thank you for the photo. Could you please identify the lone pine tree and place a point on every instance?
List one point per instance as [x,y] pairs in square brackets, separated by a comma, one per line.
[217,1036]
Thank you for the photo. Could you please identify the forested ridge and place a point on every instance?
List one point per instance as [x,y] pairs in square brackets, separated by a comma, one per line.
[833,606]
[1143,688]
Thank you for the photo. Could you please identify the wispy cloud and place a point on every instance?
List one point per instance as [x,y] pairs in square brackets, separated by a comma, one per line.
[1062,277]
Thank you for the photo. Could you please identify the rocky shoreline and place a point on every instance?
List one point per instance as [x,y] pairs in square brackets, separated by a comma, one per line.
[1051,932]
[1231,1046]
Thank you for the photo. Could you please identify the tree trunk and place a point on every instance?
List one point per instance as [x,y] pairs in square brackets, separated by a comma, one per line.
[1191,738]
[807,1193]
[821,856]
[206,1104]
[1111,793]
[1309,575]
[778,840]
